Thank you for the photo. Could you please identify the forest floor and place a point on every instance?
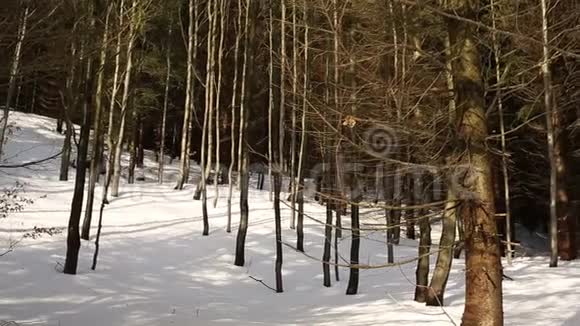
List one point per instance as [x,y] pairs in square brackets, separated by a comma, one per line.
[155,267]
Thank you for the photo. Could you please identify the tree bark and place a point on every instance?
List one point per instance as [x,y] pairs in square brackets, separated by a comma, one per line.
[97,126]
[13,76]
[73,236]
[483,295]
[124,104]
[423,196]
[187,110]
[278,222]
[436,291]
[165,106]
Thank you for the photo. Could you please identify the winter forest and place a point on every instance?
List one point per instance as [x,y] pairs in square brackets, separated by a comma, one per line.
[289,162]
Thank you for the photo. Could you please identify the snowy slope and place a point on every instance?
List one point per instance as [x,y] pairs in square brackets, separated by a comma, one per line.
[155,268]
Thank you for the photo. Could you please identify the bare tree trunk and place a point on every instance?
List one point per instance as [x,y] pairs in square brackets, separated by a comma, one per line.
[68,101]
[422,195]
[551,117]
[327,229]
[278,221]
[187,110]
[409,213]
[504,157]
[300,177]
[13,76]
[293,117]
[233,128]
[270,93]
[97,127]
[436,291]
[250,29]
[114,91]
[222,12]
[73,235]
[165,105]
[281,121]
[352,287]
[124,104]
[483,297]
[388,192]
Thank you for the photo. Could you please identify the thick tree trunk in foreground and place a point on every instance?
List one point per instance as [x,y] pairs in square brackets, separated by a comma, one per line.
[483,295]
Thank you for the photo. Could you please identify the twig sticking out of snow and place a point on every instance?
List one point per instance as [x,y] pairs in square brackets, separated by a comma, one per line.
[260,281]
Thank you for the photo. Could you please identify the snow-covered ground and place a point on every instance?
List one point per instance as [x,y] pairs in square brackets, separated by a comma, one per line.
[155,268]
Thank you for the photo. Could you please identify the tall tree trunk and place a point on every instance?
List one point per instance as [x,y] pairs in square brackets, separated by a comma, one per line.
[111,125]
[301,153]
[165,106]
[436,291]
[250,29]
[233,128]
[422,193]
[188,108]
[13,76]
[504,157]
[409,201]
[278,222]
[73,235]
[222,12]
[352,287]
[124,104]
[548,103]
[97,126]
[483,297]
[327,230]
[282,116]
[388,192]
[293,116]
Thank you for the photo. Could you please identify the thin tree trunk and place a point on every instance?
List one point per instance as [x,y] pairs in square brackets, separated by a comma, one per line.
[187,110]
[278,222]
[293,117]
[388,192]
[114,91]
[233,128]
[422,194]
[352,287]
[436,291]
[250,29]
[281,121]
[124,105]
[97,126]
[300,177]
[165,105]
[504,157]
[13,76]
[73,235]
[327,231]
[270,93]
[222,12]
[551,116]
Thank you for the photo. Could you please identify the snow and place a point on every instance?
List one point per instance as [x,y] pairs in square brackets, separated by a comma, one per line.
[155,267]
